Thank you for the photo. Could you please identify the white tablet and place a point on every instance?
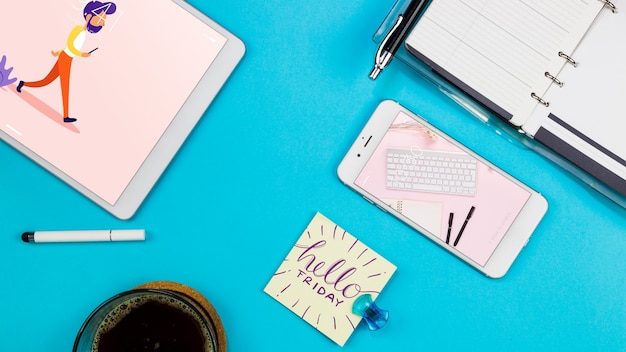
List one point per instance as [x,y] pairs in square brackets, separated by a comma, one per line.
[102,94]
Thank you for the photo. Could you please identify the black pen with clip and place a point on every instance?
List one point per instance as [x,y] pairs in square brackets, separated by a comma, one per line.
[389,46]
[450,219]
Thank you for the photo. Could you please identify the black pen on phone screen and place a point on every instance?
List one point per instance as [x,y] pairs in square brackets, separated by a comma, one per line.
[389,46]
[450,219]
[469,215]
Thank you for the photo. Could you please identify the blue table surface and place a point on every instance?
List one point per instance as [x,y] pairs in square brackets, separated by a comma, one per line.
[253,173]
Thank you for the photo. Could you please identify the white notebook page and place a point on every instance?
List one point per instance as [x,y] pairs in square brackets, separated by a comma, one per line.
[593,98]
[502,49]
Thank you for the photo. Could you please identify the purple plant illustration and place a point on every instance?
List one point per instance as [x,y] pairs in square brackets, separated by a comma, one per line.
[5,73]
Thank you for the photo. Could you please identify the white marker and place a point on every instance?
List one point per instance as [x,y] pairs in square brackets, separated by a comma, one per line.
[84,236]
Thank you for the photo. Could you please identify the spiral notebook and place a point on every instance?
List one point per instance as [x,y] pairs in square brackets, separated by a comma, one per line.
[551,68]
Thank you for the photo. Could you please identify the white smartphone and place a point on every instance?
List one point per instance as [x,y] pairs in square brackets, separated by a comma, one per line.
[456,198]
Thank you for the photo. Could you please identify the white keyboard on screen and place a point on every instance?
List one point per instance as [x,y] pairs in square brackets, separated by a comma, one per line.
[431,171]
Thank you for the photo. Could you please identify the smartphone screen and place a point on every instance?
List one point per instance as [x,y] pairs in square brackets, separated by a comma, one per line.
[443,189]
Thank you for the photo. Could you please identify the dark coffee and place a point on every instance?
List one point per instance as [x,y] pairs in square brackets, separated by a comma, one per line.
[152,323]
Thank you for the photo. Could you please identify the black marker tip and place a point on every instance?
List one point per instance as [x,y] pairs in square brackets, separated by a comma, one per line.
[27,236]
[471,212]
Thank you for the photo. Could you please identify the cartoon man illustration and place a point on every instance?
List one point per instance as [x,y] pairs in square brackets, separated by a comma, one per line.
[95,14]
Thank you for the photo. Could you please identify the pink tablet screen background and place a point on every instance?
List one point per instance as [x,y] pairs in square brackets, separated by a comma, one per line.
[151,55]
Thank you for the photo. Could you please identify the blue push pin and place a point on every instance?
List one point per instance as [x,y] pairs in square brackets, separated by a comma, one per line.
[375,317]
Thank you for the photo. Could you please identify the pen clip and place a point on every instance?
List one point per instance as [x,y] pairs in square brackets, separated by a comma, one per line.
[382,58]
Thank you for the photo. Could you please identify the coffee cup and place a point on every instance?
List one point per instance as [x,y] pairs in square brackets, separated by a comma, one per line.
[153,317]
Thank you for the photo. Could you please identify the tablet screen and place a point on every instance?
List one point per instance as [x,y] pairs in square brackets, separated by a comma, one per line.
[91,86]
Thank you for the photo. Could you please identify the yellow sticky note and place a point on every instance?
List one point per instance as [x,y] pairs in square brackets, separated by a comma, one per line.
[324,273]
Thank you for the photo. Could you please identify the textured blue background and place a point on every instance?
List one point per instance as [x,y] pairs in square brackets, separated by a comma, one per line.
[253,173]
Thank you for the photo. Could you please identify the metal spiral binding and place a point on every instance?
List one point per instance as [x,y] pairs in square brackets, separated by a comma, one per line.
[610,5]
[569,58]
[539,99]
[607,3]
[554,79]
